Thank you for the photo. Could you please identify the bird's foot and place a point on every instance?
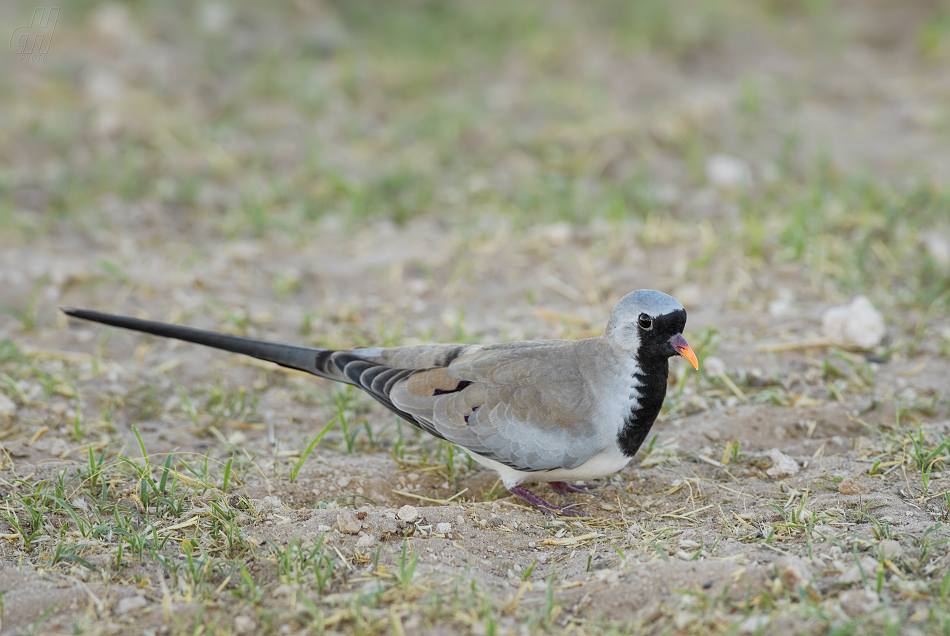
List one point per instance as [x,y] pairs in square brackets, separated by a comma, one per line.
[566,487]
[544,506]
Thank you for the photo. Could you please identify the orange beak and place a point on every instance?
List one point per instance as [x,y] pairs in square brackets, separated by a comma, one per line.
[682,347]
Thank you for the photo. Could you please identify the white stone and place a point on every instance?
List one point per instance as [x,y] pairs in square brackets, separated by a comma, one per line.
[939,249]
[724,171]
[347,522]
[443,528]
[270,503]
[7,407]
[215,17]
[102,86]
[782,465]
[408,514]
[849,486]
[794,573]
[559,233]
[753,625]
[714,366]
[859,602]
[370,587]
[284,591]
[244,625]
[112,20]
[781,307]
[891,548]
[858,324]
[131,604]
[853,574]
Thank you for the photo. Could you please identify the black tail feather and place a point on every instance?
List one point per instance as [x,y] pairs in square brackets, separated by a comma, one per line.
[290,356]
[341,366]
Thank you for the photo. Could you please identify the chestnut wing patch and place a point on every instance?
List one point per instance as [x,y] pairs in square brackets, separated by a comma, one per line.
[434,382]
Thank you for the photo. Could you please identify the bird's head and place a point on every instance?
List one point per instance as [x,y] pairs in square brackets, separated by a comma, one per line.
[650,324]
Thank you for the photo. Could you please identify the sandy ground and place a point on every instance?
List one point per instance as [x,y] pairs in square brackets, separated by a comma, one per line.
[663,513]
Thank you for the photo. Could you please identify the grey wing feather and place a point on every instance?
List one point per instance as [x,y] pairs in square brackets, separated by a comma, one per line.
[526,407]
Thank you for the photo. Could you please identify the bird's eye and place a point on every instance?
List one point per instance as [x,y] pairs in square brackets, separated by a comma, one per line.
[645,322]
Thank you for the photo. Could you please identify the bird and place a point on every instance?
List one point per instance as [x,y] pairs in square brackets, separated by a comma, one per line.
[552,411]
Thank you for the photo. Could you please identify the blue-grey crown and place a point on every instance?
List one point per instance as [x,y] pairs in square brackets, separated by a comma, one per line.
[648,301]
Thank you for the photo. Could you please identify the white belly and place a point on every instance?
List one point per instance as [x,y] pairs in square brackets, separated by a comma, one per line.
[602,464]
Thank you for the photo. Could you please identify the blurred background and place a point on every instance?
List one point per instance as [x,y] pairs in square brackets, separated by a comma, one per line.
[703,144]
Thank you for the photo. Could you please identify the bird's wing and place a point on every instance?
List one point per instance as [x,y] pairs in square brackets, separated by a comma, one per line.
[525,405]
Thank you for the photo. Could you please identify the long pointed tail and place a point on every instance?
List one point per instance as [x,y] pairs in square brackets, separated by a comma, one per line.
[291,356]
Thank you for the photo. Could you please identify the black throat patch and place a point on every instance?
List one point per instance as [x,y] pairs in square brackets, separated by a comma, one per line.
[637,424]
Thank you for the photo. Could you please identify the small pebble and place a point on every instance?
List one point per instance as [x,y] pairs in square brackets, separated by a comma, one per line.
[347,522]
[443,528]
[849,486]
[7,407]
[270,503]
[131,604]
[244,625]
[727,172]
[853,573]
[891,548]
[858,324]
[794,572]
[753,625]
[782,465]
[714,366]
[284,590]
[859,602]
[372,587]
[408,514]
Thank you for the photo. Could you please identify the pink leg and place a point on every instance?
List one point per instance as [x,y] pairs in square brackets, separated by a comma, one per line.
[565,487]
[542,505]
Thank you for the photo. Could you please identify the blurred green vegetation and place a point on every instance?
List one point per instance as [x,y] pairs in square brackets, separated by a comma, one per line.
[238,119]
